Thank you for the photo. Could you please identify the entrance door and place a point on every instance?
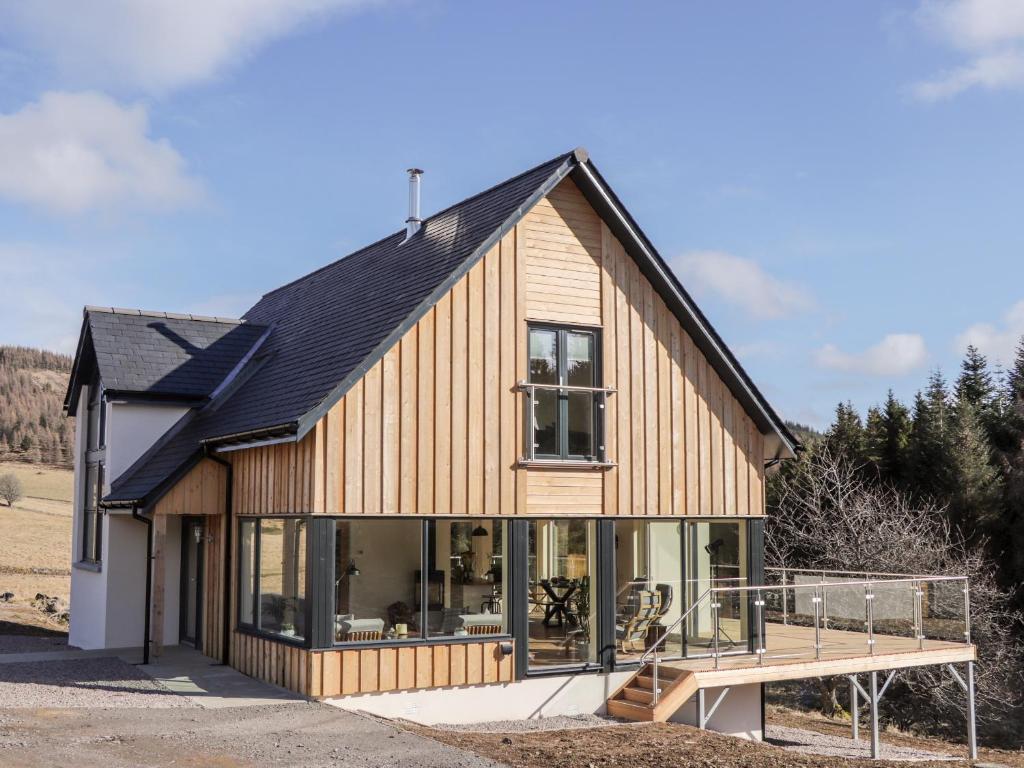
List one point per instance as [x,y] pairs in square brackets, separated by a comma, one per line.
[716,557]
[193,534]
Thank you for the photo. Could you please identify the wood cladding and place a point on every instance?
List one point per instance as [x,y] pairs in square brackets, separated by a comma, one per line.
[326,674]
[562,246]
[435,427]
[373,670]
[202,491]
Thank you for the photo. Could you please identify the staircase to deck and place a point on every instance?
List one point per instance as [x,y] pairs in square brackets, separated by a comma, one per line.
[636,700]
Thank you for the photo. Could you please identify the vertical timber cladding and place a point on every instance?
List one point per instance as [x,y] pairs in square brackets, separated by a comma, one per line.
[435,427]
[201,492]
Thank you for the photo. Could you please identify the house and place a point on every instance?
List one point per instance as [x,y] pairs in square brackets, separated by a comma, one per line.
[497,464]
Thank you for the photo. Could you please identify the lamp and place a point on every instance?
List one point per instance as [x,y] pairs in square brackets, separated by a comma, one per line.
[479,531]
[352,570]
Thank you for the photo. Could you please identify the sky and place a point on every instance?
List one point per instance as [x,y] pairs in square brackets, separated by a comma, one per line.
[838,185]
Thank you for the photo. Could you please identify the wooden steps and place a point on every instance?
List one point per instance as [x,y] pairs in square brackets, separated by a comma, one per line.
[635,700]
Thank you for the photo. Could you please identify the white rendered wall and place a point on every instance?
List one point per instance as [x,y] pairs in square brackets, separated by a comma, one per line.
[132,428]
[738,715]
[88,587]
[124,562]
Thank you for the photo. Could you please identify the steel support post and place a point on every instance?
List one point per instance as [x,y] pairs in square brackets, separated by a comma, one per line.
[854,710]
[876,745]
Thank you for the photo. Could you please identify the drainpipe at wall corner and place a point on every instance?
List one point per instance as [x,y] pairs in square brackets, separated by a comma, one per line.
[226,618]
[149,580]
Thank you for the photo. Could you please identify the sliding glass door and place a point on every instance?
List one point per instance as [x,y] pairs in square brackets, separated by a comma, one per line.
[716,558]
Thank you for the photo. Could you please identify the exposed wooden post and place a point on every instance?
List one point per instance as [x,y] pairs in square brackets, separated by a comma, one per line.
[159,568]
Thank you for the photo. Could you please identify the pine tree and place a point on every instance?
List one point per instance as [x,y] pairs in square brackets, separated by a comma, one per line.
[974,385]
[930,443]
[888,435]
[846,435]
[975,503]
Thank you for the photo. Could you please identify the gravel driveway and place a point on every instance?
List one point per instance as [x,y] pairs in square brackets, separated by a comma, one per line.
[308,735]
[814,743]
[97,682]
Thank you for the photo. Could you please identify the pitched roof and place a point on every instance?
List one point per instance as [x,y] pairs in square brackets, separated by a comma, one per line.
[329,327]
[160,354]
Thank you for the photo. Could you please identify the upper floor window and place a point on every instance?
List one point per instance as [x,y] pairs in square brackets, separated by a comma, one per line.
[566,400]
[92,464]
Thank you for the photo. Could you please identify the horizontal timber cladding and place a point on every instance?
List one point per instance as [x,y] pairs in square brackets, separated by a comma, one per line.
[371,670]
[435,427]
[341,672]
[202,491]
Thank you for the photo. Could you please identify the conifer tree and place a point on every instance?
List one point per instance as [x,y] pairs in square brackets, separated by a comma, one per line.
[975,503]
[974,385]
[846,435]
[894,440]
[930,441]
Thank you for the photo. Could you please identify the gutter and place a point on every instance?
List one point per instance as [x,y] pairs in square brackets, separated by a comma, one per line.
[226,618]
[149,580]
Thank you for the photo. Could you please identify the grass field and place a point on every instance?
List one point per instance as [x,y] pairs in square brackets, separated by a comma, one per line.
[36,534]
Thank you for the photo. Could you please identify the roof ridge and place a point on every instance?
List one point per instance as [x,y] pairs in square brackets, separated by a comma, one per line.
[165,315]
[580,152]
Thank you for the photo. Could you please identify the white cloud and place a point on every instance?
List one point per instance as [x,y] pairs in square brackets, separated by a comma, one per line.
[990,32]
[741,282]
[895,355]
[155,45]
[70,152]
[997,342]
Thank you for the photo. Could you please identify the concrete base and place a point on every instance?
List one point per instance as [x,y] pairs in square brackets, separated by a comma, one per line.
[211,684]
[739,713]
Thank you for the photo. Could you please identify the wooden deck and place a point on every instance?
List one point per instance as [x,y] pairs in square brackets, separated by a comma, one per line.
[791,656]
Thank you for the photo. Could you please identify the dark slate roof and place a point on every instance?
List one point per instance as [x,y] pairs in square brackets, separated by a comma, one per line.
[328,325]
[160,354]
[326,329]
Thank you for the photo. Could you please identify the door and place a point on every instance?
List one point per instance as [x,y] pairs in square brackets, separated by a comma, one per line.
[716,558]
[193,535]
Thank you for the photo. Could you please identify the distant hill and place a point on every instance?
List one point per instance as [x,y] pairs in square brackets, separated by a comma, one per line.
[803,432]
[33,427]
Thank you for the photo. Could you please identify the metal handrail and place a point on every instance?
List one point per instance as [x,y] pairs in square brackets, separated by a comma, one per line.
[651,655]
[825,571]
[664,636]
[525,385]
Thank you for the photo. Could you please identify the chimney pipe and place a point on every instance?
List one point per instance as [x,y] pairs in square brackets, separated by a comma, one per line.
[412,224]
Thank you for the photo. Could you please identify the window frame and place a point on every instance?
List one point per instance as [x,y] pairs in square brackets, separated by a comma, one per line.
[562,416]
[91,533]
[426,557]
[253,627]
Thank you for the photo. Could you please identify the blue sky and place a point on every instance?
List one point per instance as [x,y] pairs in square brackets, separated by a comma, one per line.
[838,185]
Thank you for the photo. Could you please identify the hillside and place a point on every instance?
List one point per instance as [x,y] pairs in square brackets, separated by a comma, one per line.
[33,428]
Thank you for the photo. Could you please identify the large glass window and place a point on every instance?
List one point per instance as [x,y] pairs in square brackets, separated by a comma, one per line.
[384,590]
[92,490]
[562,558]
[563,419]
[272,576]
[716,554]
[649,591]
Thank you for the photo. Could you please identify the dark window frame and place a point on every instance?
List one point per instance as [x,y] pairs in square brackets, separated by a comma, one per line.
[425,559]
[562,417]
[91,534]
[253,627]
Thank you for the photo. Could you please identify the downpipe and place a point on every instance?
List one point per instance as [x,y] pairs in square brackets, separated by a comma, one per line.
[149,580]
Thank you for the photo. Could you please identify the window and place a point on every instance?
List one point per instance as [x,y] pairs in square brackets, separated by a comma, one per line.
[562,562]
[564,421]
[272,576]
[413,579]
[92,487]
[92,515]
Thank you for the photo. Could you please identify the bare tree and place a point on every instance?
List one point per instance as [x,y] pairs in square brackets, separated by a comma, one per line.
[826,516]
[10,488]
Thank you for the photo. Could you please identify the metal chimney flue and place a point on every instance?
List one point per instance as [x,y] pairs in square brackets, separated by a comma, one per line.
[413,223]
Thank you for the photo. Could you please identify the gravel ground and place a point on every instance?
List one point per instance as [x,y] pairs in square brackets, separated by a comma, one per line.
[292,735]
[33,644]
[559,723]
[99,682]
[814,743]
